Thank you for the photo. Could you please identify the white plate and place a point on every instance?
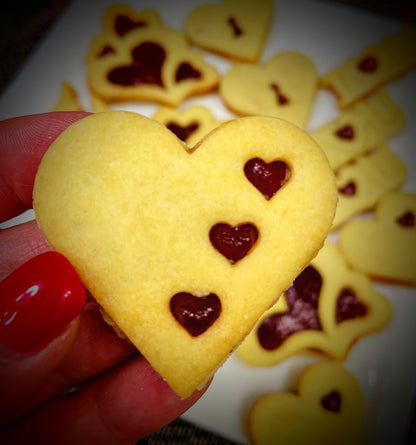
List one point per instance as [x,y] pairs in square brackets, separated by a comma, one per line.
[384,363]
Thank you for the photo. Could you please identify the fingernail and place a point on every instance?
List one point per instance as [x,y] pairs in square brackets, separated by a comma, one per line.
[37,301]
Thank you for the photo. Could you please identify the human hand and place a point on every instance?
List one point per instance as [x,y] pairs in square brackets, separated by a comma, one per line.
[65,375]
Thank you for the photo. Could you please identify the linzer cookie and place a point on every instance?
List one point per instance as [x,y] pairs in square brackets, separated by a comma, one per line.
[152,63]
[284,87]
[189,125]
[384,247]
[359,128]
[121,18]
[68,99]
[363,182]
[185,250]
[326,408]
[377,65]
[325,311]
[234,28]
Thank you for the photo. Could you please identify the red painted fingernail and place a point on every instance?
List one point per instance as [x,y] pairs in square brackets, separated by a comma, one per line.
[37,302]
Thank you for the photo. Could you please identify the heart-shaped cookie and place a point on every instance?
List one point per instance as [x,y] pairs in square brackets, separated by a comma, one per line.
[363,182]
[359,129]
[234,28]
[190,125]
[326,310]
[125,201]
[384,247]
[152,63]
[121,18]
[285,87]
[326,409]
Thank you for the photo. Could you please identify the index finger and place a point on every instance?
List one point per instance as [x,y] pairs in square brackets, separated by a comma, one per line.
[23,142]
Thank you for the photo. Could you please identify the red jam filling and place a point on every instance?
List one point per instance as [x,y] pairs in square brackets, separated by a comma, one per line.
[406,220]
[195,314]
[280,97]
[186,71]
[346,132]
[233,242]
[268,178]
[237,31]
[146,67]
[350,189]
[302,299]
[123,24]
[349,306]
[106,51]
[368,64]
[182,133]
[332,401]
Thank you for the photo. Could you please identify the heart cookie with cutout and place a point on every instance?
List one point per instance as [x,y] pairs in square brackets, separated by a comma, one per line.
[326,310]
[233,28]
[190,125]
[150,63]
[284,87]
[384,247]
[185,250]
[326,409]
[121,18]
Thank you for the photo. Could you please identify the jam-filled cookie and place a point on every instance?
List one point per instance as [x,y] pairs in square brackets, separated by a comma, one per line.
[234,28]
[326,310]
[151,63]
[384,247]
[189,125]
[359,128]
[121,18]
[285,87]
[326,408]
[377,65]
[185,250]
[363,182]
[68,99]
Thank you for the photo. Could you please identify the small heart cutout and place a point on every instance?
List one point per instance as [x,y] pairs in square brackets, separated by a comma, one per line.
[233,242]
[195,314]
[332,401]
[182,132]
[123,24]
[268,178]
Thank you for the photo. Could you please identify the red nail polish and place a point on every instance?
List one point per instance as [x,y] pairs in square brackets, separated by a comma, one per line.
[37,302]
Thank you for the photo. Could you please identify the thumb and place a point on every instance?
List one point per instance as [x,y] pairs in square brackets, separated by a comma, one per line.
[39,304]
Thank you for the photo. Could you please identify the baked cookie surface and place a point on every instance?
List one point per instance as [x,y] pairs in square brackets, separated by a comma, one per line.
[234,28]
[328,308]
[284,87]
[384,247]
[327,409]
[151,63]
[184,251]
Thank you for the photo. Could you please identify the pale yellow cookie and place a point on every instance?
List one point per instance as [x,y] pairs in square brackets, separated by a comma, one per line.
[189,125]
[121,18]
[363,182]
[234,28]
[326,408]
[285,87]
[328,308]
[185,250]
[377,65]
[153,63]
[359,128]
[68,99]
[384,247]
